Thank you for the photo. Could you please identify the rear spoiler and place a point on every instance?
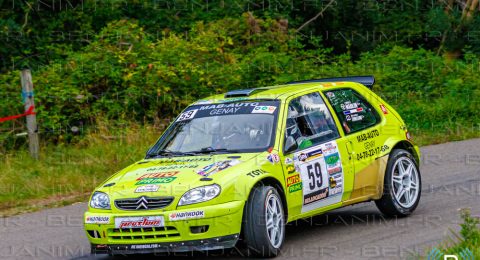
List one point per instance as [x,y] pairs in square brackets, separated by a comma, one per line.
[367,81]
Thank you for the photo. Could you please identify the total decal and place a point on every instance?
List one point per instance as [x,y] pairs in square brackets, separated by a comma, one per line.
[321,176]
[186,215]
[97,220]
[139,222]
[216,167]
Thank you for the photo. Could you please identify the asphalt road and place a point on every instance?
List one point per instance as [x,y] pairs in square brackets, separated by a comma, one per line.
[451,181]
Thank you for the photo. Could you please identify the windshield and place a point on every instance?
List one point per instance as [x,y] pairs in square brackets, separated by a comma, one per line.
[227,127]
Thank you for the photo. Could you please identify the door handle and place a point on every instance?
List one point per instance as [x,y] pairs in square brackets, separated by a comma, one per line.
[349,149]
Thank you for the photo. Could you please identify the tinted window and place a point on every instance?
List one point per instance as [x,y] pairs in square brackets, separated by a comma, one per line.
[309,121]
[352,110]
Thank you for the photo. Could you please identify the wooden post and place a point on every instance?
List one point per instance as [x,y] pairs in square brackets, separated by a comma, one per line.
[27,94]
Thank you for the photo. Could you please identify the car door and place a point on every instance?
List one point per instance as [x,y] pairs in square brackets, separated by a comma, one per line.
[314,157]
[362,127]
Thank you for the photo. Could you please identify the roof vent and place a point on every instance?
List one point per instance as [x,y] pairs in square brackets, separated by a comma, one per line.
[240,93]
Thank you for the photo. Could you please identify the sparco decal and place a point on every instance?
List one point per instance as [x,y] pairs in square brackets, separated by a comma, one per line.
[139,222]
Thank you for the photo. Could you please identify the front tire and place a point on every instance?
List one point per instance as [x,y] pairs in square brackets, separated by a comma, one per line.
[402,185]
[264,222]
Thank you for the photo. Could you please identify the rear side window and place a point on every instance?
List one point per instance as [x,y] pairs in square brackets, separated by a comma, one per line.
[353,111]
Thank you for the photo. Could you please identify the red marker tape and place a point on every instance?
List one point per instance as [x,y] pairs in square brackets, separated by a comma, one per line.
[29,112]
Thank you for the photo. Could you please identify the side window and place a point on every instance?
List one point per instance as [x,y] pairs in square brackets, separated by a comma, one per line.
[309,121]
[353,111]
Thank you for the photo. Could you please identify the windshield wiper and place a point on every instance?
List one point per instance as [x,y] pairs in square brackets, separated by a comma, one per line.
[170,153]
[213,150]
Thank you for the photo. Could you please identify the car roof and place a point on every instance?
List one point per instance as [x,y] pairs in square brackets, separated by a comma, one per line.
[279,92]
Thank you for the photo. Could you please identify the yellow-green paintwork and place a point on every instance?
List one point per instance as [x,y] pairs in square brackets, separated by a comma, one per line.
[224,213]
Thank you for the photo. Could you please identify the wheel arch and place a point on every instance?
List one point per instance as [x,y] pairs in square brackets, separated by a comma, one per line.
[406,145]
[274,182]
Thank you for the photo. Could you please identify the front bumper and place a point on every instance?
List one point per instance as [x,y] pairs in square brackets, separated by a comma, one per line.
[166,247]
[217,229]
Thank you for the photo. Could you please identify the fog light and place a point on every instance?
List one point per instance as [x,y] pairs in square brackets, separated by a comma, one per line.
[199,229]
[93,233]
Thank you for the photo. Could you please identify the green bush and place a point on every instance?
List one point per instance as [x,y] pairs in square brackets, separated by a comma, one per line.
[125,75]
[467,239]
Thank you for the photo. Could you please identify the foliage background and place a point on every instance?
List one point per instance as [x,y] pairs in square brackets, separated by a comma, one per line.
[144,61]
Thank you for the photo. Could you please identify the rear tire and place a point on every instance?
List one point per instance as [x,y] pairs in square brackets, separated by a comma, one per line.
[264,222]
[402,185]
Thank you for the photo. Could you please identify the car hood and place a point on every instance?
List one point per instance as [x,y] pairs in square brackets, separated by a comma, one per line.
[174,175]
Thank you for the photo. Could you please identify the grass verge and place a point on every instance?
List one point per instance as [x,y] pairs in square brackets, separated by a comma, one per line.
[68,173]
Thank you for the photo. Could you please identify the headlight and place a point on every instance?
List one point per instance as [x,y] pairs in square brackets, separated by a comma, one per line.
[199,194]
[100,200]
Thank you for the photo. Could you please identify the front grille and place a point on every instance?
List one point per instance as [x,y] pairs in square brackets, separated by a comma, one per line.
[143,203]
[130,234]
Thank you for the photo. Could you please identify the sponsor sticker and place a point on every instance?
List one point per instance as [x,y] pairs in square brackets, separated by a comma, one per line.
[186,215]
[333,182]
[369,135]
[356,118]
[353,111]
[293,180]
[216,167]
[330,148]
[315,196]
[290,169]
[295,187]
[288,160]
[264,109]
[349,105]
[97,220]
[336,190]
[255,173]
[146,181]
[144,246]
[158,175]
[147,188]
[139,222]
[304,157]
[273,158]
[333,163]
[384,109]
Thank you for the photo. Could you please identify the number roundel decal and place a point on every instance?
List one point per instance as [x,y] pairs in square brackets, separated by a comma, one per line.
[321,174]
[187,115]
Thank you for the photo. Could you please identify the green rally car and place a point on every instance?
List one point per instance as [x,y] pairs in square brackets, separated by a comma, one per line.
[239,166]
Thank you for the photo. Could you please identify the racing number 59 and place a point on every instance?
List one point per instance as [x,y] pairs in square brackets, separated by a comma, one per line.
[187,115]
[315,176]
